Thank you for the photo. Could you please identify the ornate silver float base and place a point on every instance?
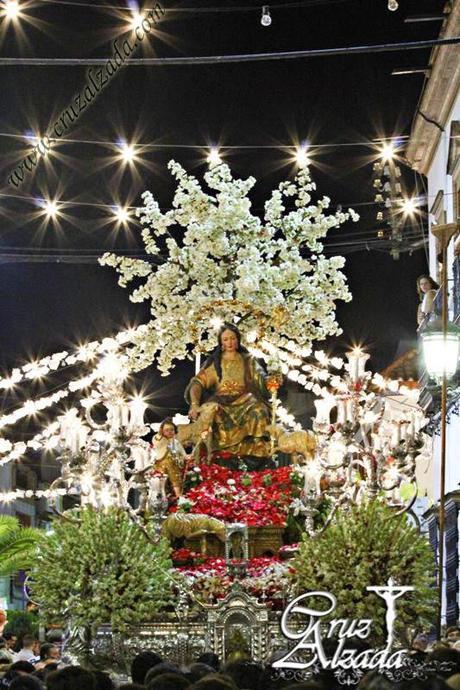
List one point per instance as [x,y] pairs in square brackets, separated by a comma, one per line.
[237,623]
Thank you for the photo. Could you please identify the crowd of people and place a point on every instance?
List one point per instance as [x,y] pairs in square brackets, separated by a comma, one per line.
[34,666]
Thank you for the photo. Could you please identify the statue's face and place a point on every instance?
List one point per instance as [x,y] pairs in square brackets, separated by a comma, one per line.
[168,431]
[229,341]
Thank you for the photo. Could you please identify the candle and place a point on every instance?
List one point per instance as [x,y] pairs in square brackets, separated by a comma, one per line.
[136,410]
[350,414]
[341,412]
[396,435]
[376,442]
[323,410]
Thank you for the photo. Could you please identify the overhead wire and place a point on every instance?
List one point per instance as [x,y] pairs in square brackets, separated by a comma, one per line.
[236,58]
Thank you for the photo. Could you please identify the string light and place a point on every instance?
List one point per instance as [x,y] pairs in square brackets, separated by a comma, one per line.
[136,21]
[266,19]
[58,360]
[387,152]
[301,156]
[409,206]
[50,208]
[11,9]
[127,152]
[10,496]
[121,214]
[213,158]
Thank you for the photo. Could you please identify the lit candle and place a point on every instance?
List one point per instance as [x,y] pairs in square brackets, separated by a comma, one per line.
[323,410]
[350,413]
[341,412]
[311,473]
[137,409]
[376,442]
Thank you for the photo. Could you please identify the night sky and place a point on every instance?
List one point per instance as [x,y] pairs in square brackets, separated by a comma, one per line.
[48,306]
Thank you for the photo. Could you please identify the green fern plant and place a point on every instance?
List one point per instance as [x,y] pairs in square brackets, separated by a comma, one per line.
[365,547]
[100,569]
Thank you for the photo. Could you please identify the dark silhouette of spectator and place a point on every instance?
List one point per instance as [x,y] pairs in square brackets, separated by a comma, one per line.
[19,668]
[447,661]
[198,671]
[245,674]
[210,659]
[142,663]
[161,669]
[103,681]
[25,683]
[169,681]
[217,681]
[71,678]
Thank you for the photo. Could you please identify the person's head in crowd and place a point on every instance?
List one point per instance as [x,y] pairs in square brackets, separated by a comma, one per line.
[420,642]
[103,681]
[447,661]
[142,663]
[10,639]
[270,679]
[211,659]
[42,673]
[245,674]
[25,683]
[19,668]
[197,671]
[70,678]
[49,651]
[29,642]
[168,681]
[160,669]
[453,634]
[216,681]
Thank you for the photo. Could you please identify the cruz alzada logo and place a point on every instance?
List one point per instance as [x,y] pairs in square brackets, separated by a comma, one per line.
[309,649]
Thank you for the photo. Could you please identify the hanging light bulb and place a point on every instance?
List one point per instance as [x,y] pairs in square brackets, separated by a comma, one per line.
[266,19]
[393,5]
[387,152]
[409,206]
[213,157]
[301,156]
[121,214]
[127,152]
[11,9]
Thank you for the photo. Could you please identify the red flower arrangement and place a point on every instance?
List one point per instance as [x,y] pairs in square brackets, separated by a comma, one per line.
[255,498]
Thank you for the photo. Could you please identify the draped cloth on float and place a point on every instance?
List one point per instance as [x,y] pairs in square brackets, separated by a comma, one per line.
[237,405]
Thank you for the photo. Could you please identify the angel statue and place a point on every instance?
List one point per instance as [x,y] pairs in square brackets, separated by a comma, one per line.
[169,455]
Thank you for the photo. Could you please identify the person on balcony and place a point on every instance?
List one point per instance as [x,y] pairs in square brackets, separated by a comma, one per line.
[426,288]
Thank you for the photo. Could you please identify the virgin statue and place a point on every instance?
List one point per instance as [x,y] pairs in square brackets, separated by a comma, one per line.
[229,392]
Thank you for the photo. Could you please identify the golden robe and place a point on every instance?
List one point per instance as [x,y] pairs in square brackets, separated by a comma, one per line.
[170,460]
[240,415]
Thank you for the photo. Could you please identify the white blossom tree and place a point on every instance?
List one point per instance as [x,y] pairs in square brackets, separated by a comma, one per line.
[213,259]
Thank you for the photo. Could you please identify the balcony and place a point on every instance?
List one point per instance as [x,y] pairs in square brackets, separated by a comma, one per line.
[430,392]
